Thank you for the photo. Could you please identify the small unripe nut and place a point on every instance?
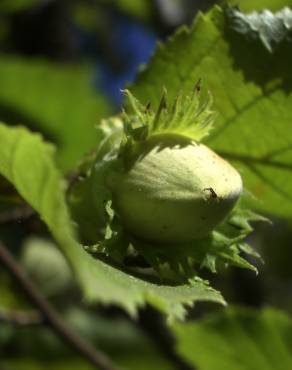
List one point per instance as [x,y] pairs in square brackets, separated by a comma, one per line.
[175,190]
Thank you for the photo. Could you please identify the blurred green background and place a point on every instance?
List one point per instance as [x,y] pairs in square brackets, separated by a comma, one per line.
[63,65]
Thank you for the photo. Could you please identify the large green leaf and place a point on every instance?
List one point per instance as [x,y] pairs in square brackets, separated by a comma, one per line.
[27,162]
[238,339]
[246,63]
[56,100]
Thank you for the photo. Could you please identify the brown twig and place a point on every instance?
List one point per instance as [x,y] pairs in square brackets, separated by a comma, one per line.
[51,316]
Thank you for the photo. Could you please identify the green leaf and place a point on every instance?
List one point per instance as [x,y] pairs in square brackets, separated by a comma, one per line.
[251,86]
[28,163]
[54,100]
[238,339]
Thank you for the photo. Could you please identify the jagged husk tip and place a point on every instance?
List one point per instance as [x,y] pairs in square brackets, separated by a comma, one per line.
[185,115]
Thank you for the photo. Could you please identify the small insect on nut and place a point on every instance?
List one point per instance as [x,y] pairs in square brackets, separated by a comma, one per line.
[212,193]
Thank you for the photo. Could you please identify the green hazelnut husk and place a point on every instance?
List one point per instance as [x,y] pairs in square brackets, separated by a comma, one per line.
[173,190]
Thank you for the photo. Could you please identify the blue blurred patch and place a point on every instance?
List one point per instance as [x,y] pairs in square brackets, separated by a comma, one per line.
[132,44]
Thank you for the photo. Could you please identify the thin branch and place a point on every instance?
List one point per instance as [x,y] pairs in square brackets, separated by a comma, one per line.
[21,318]
[51,316]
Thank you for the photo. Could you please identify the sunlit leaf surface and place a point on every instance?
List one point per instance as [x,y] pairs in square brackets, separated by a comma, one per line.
[245,61]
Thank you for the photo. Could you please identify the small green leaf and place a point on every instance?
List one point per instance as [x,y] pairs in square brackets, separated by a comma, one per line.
[28,163]
[237,338]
